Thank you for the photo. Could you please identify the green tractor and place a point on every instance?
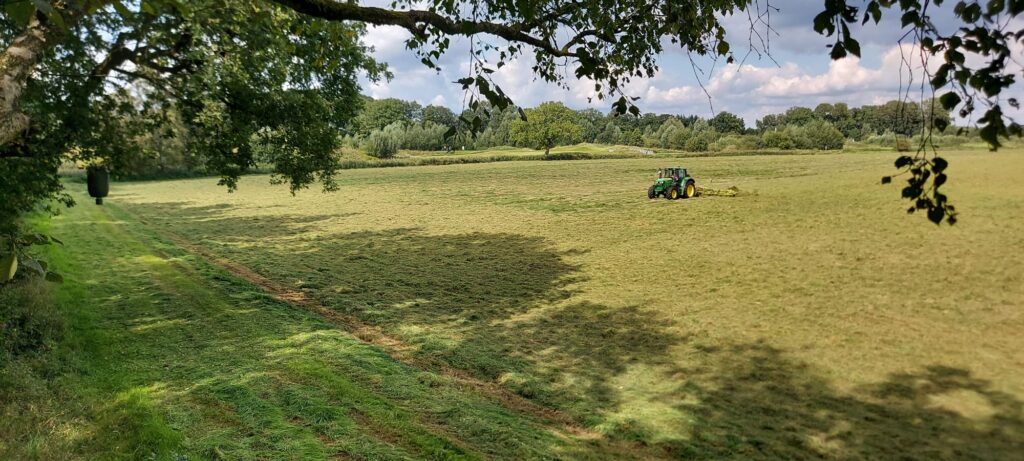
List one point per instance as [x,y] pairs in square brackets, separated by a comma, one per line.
[673,183]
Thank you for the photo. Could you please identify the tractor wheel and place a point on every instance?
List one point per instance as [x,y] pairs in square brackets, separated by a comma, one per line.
[672,193]
[650,192]
[690,190]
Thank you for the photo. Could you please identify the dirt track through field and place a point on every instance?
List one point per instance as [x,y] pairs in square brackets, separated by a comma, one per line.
[396,348]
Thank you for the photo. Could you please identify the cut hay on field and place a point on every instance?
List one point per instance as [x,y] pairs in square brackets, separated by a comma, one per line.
[730,192]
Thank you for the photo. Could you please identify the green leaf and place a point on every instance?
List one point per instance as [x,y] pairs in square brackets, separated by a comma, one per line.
[8,267]
[853,46]
[54,277]
[58,20]
[148,8]
[823,23]
[44,6]
[910,17]
[886,179]
[949,100]
[903,161]
[723,47]
[181,6]
[121,9]
[971,13]
[939,164]
[838,51]
[875,11]
[955,57]
[20,12]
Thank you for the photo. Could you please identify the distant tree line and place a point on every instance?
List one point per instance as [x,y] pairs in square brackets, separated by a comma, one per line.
[901,118]
[387,125]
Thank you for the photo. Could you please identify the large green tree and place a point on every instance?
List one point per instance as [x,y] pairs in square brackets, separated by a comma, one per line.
[379,113]
[240,69]
[440,115]
[255,83]
[726,122]
[547,125]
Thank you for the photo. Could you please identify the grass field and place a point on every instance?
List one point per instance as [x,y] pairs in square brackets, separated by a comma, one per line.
[549,310]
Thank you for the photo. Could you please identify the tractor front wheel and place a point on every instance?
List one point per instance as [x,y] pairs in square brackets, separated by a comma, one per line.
[651,193]
[690,190]
[672,193]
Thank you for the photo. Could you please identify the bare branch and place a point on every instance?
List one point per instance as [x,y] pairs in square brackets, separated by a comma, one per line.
[414,20]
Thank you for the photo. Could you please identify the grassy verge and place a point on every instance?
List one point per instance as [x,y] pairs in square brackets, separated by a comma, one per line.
[168,357]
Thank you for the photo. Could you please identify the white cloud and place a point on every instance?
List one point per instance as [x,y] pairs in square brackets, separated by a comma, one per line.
[388,42]
[752,91]
[748,90]
[439,100]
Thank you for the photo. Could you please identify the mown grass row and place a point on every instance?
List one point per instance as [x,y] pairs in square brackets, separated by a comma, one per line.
[167,357]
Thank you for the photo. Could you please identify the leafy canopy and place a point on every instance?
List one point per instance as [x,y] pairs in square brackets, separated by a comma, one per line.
[546,126]
[726,122]
[379,113]
[254,82]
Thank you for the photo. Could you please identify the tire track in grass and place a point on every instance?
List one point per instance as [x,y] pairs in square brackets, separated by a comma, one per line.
[567,425]
[405,441]
[241,376]
[179,281]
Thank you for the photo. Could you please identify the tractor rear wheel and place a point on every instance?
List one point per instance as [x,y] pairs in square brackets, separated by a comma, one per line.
[672,193]
[690,190]
[650,192]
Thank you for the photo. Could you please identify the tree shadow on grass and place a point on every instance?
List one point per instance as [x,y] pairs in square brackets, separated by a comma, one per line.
[752,402]
[500,307]
[497,305]
[210,222]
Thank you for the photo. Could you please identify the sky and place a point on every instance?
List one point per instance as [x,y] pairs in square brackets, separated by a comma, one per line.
[799,73]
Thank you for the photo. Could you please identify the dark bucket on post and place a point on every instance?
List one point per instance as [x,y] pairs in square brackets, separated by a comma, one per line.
[99,183]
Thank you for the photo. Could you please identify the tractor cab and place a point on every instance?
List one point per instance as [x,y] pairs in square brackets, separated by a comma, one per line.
[671,173]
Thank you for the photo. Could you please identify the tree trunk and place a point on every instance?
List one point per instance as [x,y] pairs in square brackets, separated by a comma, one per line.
[17,63]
